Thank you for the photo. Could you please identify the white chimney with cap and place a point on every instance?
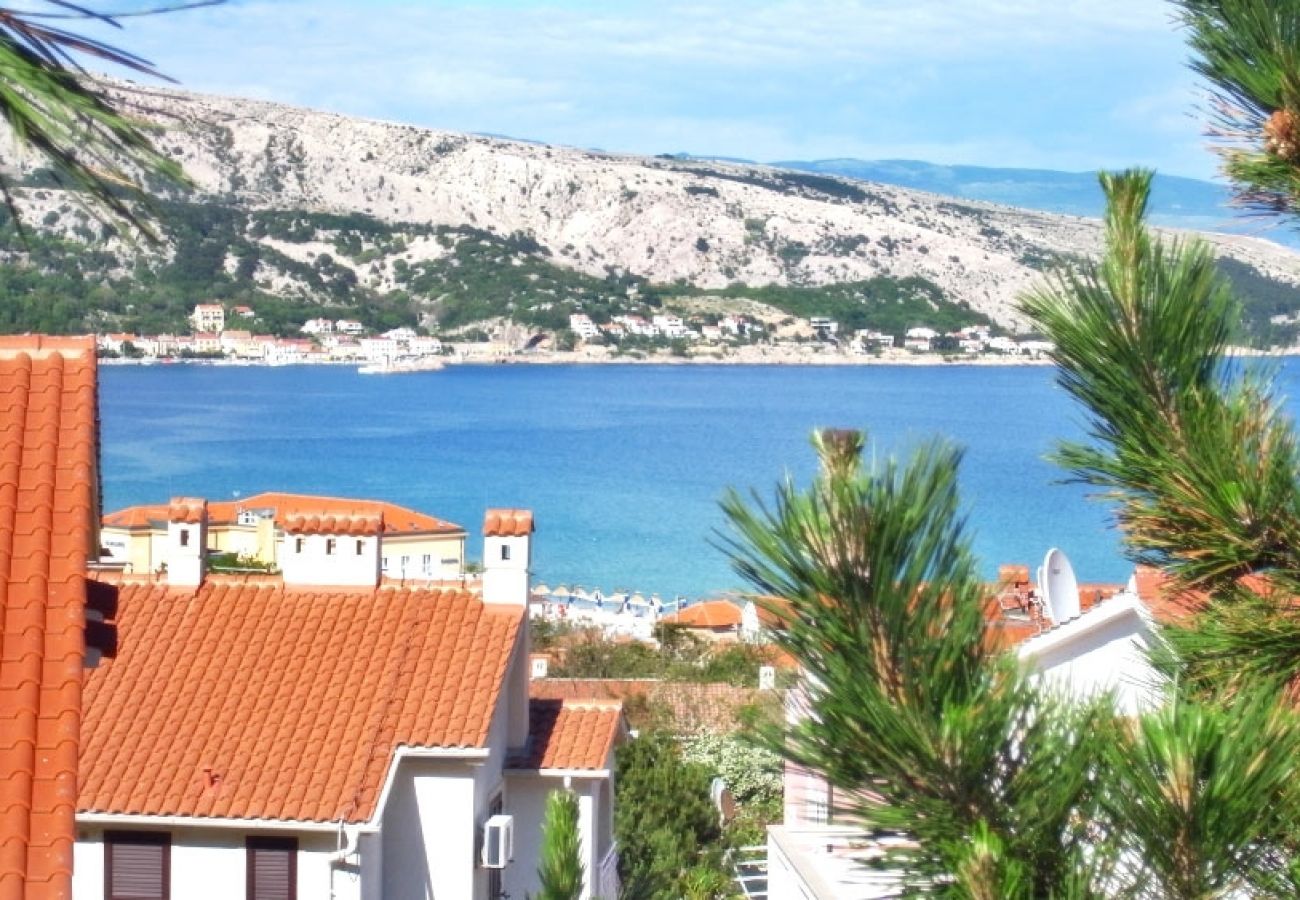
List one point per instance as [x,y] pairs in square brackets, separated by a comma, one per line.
[507,556]
[187,541]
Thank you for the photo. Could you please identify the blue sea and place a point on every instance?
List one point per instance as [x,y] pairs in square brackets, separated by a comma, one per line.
[623,465]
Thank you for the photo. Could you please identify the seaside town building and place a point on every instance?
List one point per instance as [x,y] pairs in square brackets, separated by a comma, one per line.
[582,325]
[919,339]
[408,544]
[208,317]
[317,326]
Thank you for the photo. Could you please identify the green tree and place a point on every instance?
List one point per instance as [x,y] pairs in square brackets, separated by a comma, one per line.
[54,107]
[561,870]
[664,821]
[1003,790]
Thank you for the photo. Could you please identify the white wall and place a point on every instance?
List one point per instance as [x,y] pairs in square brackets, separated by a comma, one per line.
[210,864]
[429,832]
[526,801]
[1106,649]
[314,565]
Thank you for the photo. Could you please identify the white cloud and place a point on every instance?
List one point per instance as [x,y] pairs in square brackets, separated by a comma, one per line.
[757,79]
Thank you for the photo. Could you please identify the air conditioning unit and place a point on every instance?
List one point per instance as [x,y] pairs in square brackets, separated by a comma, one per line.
[498,841]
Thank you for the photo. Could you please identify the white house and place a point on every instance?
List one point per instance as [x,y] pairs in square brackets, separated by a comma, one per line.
[581,325]
[317,326]
[669,325]
[919,339]
[349,326]
[324,733]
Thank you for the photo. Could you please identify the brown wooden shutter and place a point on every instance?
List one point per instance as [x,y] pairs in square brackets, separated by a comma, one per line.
[137,865]
[272,868]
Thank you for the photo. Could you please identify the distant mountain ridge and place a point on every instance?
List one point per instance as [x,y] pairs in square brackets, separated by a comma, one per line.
[297,211]
[1176,202]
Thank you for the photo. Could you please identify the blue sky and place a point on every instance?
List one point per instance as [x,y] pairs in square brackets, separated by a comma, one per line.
[1067,84]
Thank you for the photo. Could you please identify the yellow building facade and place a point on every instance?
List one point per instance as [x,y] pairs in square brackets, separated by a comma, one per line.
[413,546]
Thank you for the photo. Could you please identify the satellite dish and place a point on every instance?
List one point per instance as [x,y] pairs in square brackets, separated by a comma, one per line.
[1059,586]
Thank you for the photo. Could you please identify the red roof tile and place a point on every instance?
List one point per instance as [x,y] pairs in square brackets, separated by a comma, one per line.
[709,614]
[569,734]
[507,523]
[249,700]
[188,510]
[48,500]
[396,519]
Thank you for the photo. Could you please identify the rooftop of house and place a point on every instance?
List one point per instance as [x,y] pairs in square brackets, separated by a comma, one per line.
[48,483]
[572,735]
[248,699]
[304,510]
[711,614]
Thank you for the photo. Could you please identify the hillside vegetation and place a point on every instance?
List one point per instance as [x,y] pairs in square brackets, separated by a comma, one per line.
[300,214]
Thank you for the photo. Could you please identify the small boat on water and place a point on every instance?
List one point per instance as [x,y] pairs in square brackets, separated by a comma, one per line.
[402,364]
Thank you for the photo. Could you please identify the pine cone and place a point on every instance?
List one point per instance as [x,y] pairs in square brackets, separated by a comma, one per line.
[1282,136]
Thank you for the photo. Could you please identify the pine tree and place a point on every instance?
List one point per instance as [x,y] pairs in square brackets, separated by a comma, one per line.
[1004,791]
[561,869]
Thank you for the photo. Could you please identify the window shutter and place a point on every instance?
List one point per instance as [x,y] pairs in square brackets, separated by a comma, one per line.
[272,868]
[137,866]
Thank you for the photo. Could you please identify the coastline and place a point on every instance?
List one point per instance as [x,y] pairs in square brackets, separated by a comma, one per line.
[767,357]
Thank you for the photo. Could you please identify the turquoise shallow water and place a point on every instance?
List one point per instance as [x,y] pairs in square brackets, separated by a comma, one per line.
[623,465]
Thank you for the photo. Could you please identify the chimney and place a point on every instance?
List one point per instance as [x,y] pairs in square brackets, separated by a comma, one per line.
[187,541]
[507,556]
[331,549]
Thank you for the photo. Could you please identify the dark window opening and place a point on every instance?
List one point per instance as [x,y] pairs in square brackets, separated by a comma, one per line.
[272,868]
[137,865]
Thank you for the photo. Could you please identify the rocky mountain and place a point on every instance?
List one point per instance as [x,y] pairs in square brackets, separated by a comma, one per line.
[323,209]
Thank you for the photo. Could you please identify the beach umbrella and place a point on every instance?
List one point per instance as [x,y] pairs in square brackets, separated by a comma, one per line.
[561,593]
[541,589]
[637,600]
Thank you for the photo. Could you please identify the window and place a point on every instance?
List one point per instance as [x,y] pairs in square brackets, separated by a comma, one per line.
[185,537]
[330,544]
[505,551]
[406,561]
[137,865]
[361,547]
[383,564]
[426,563]
[272,868]
[298,544]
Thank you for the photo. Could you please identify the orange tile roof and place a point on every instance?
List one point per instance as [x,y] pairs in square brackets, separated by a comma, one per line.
[245,699]
[569,734]
[709,614]
[48,499]
[396,519]
[507,522]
